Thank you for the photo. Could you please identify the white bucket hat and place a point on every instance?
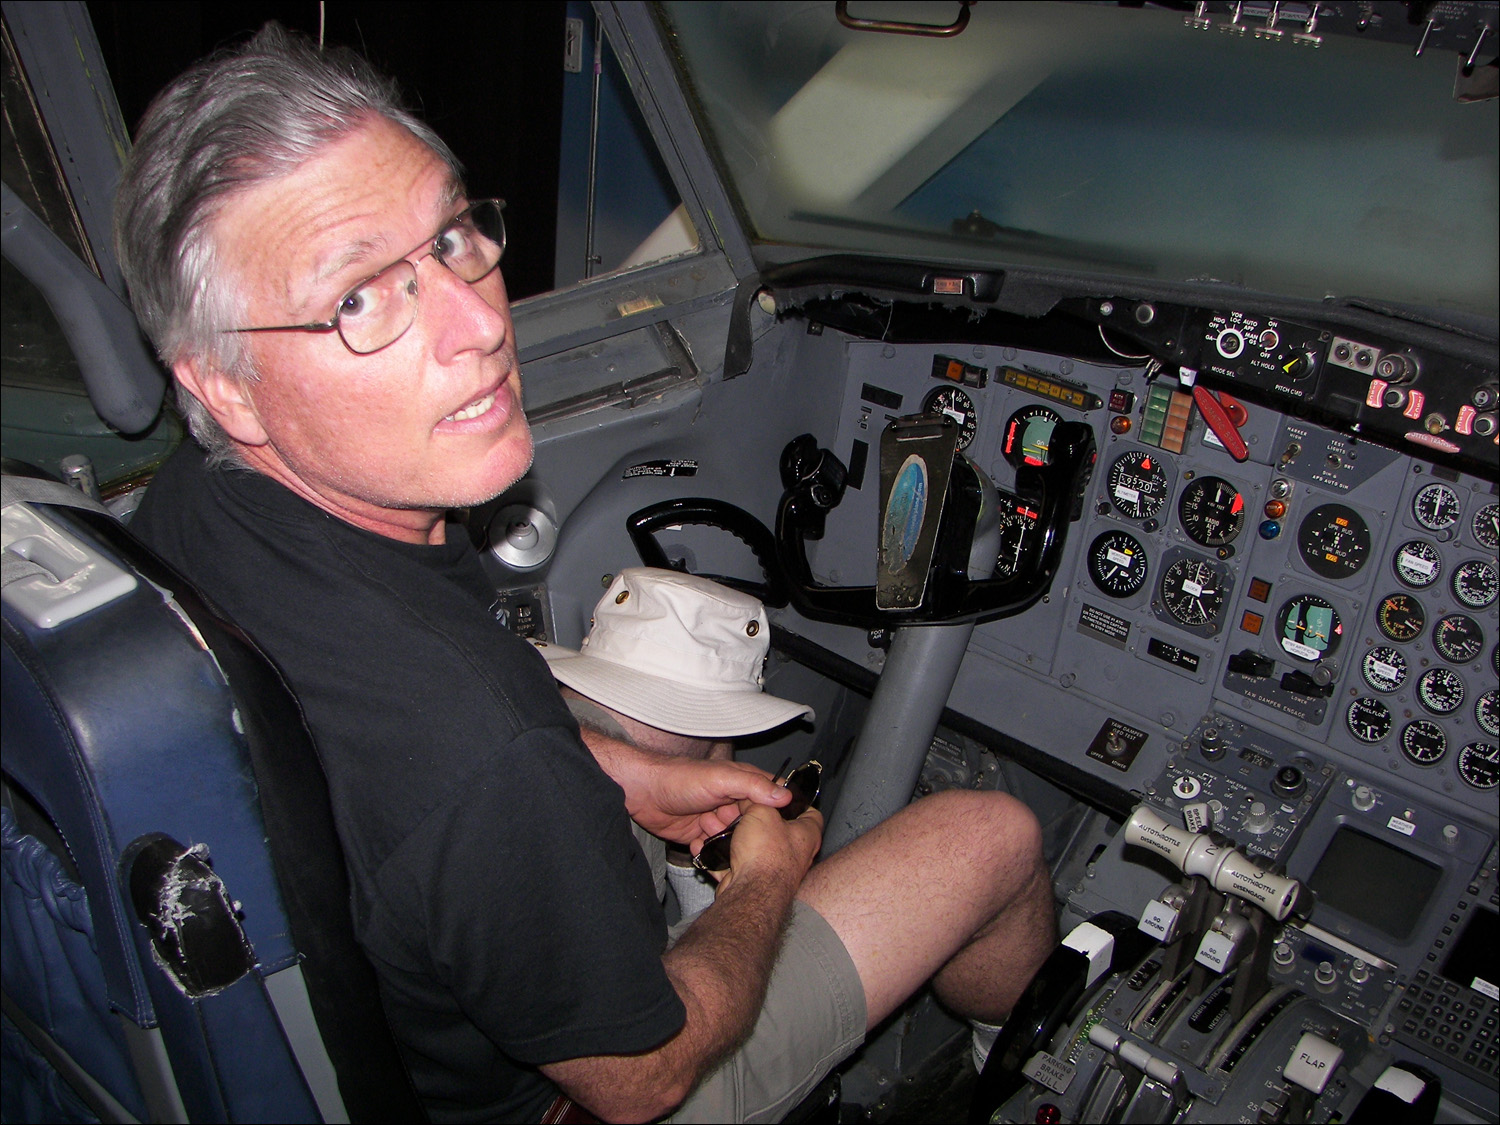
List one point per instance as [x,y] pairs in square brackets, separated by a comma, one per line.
[677,652]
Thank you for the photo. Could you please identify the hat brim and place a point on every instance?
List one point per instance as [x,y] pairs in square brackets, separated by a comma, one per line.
[667,704]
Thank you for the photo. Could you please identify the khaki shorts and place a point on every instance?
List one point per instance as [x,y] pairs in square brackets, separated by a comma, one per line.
[813,1019]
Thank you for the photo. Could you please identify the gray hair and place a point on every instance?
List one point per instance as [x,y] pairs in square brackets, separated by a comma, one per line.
[235,120]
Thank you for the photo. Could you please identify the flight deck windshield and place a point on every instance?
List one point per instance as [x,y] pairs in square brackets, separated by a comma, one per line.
[1117,141]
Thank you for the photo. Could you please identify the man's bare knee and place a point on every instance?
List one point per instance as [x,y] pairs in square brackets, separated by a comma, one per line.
[994,829]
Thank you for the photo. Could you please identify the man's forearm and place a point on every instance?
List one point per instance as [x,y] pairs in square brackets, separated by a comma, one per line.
[724,960]
[720,968]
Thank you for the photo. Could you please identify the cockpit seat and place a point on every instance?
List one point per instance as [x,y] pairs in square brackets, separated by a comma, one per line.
[177,937]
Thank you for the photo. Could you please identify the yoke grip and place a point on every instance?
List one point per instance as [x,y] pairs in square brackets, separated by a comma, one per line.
[644,524]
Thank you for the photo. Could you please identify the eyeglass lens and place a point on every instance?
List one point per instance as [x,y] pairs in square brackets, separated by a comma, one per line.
[379,310]
[804,783]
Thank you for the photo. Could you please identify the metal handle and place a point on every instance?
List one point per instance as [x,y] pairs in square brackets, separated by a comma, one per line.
[900,27]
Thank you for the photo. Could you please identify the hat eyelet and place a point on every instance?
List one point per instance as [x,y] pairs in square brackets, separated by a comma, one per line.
[621,597]
[752,628]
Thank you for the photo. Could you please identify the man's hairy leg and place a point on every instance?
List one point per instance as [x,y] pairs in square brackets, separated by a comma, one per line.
[952,887]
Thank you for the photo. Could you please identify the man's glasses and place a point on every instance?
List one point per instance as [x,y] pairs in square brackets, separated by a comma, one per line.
[378,311]
[802,781]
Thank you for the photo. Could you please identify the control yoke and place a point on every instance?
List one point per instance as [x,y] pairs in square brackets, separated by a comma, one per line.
[927,529]
[644,524]
[931,502]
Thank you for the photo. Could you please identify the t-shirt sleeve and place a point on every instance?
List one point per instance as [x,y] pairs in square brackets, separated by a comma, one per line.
[537,907]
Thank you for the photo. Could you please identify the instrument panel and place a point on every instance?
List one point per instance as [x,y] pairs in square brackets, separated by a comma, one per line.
[1305,642]
[1331,589]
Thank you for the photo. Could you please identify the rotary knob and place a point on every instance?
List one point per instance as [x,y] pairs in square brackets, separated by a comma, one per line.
[1289,782]
[1260,821]
[1211,742]
[1363,798]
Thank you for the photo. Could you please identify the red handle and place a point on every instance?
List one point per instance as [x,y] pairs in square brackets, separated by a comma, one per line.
[1219,422]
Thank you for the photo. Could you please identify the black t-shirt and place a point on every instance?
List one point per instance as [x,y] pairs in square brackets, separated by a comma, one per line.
[496,886]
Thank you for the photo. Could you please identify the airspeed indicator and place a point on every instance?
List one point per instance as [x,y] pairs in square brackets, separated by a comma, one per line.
[1117,564]
[956,405]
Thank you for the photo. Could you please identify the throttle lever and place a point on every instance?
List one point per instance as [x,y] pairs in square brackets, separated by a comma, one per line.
[1228,870]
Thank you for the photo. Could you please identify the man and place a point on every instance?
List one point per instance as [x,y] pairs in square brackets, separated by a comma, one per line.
[300,250]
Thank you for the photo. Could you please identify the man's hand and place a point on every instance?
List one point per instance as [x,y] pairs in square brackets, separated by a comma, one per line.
[683,800]
[764,842]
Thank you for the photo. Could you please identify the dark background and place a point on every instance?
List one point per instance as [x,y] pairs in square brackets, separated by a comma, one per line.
[488,77]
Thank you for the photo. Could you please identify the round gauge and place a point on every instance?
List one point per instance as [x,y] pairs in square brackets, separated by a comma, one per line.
[960,407]
[1487,712]
[1028,435]
[1369,719]
[1212,511]
[1138,484]
[1192,591]
[1423,741]
[1309,628]
[1017,520]
[1475,583]
[1441,691]
[1384,668]
[1334,540]
[1486,526]
[1436,506]
[1457,638]
[1417,563]
[1479,765]
[1117,564]
[1401,617]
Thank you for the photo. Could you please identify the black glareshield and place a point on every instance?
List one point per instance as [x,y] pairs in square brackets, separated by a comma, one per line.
[804,783]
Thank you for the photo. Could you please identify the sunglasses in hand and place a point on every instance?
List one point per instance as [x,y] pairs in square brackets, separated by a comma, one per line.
[803,781]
